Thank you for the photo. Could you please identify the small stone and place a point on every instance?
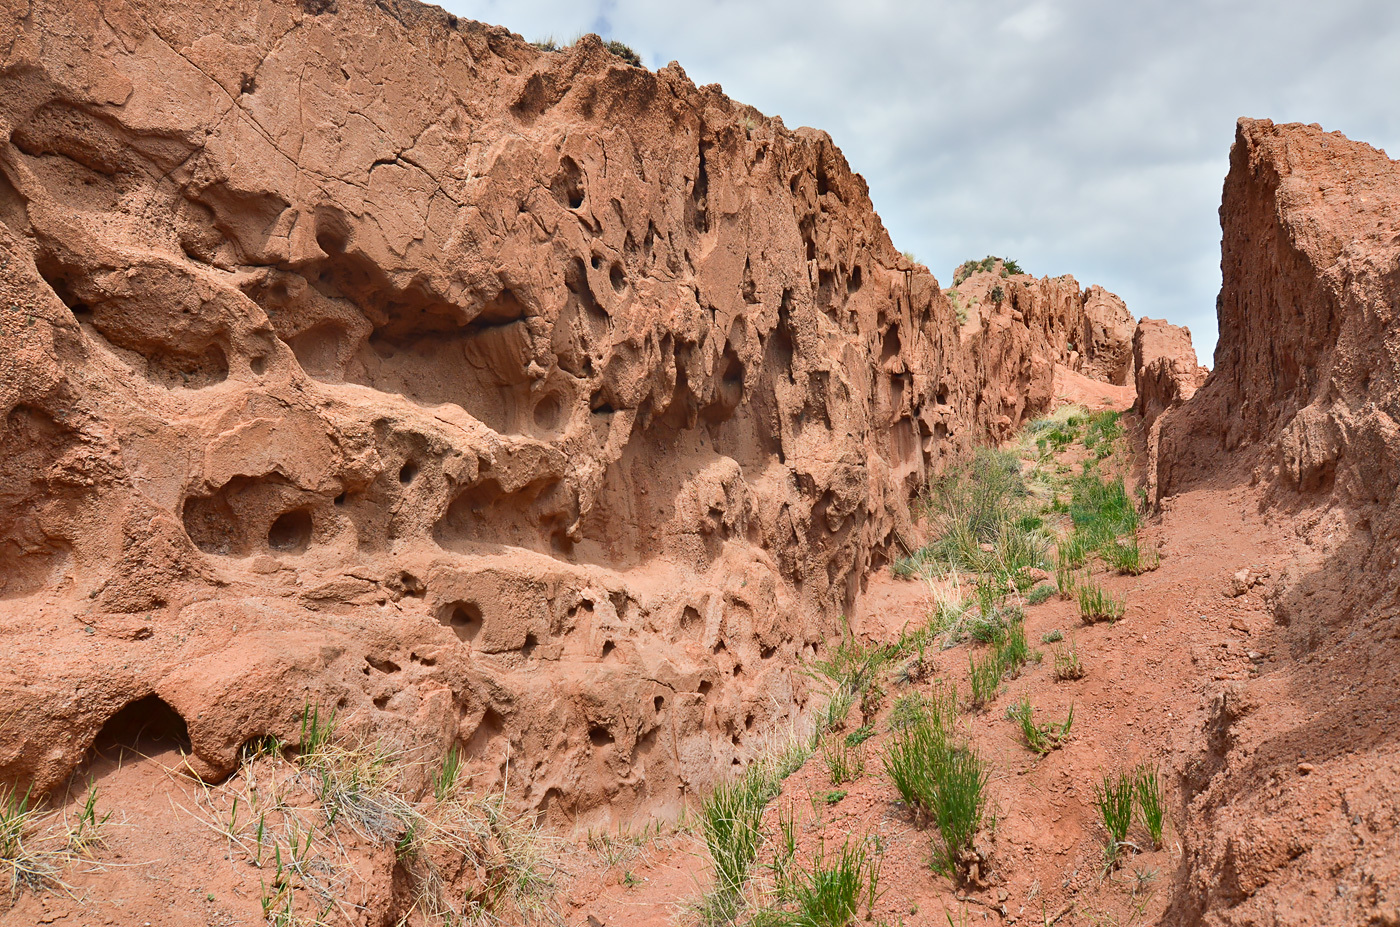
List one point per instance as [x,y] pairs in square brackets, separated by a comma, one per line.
[1306,768]
[1001,894]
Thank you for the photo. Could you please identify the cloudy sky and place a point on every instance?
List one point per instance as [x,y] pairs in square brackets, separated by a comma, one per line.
[1088,137]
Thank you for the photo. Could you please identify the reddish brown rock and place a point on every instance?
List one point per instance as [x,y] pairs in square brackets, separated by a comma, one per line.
[359,355]
[1166,372]
[1297,772]
[1092,329]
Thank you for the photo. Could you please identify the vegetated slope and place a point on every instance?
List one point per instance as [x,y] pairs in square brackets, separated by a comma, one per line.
[358,356]
[1294,792]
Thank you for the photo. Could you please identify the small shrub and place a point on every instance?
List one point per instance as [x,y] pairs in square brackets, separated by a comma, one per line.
[845,763]
[832,797]
[1114,797]
[1040,594]
[1151,800]
[1042,738]
[998,295]
[1052,637]
[871,701]
[624,52]
[1097,605]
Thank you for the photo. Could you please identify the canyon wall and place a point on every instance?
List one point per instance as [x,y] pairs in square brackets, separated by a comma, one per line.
[1291,801]
[359,356]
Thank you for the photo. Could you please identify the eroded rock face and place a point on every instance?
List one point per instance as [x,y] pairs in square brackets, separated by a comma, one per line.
[1292,795]
[1091,329]
[357,355]
[1165,375]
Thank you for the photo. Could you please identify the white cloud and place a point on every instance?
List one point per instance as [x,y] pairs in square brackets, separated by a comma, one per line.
[1079,136]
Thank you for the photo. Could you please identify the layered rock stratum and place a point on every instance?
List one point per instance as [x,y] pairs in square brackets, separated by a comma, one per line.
[362,357]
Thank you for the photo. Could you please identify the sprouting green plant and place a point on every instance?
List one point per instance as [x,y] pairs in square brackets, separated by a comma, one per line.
[860,735]
[1042,738]
[1151,800]
[1040,594]
[844,763]
[831,796]
[1097,605]
[316,732]
[1113,796]
[86,834]
[1053,636]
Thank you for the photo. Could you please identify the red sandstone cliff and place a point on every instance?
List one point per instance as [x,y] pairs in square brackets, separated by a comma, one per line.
[1291,798]
[358,355]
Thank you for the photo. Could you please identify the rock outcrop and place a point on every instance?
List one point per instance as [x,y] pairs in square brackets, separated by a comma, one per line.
[1291,800]
[1165,376]
[357,355]
[1091,329]
[1165,370]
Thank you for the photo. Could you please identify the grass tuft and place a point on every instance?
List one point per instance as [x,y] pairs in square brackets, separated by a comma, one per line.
[1067,665]
[1042,738]
[1097,605]
[944,782]
[1113,797]
[830,893]
[844,762]
[1151,800]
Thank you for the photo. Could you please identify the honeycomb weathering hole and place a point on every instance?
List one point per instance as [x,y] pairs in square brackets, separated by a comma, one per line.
[465,620]
[147,725]
[547,412]
[291,532]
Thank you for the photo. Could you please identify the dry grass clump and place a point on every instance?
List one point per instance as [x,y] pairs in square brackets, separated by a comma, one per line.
[469,859]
